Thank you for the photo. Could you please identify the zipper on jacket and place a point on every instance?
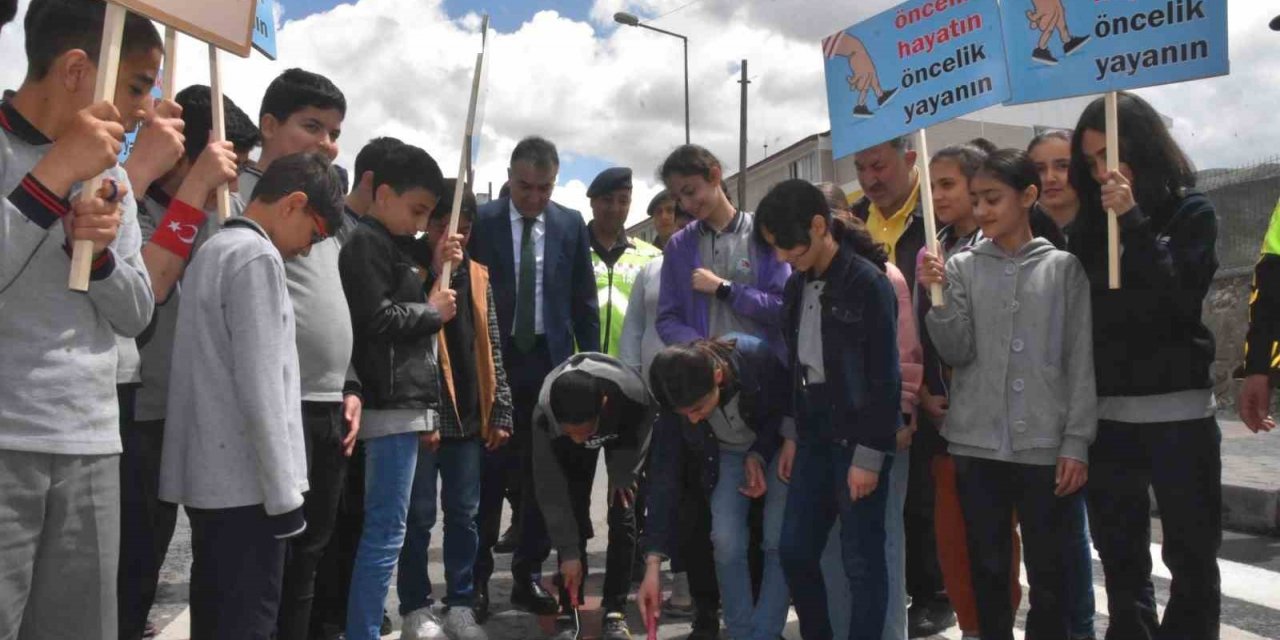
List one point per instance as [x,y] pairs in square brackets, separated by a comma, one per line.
[608,314]
[391,368]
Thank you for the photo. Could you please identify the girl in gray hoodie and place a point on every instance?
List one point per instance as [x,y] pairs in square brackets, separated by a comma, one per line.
[1016,330]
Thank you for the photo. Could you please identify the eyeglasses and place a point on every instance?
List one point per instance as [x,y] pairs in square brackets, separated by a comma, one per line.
[319,234]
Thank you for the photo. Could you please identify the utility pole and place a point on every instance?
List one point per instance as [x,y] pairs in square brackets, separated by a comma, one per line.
[742,142]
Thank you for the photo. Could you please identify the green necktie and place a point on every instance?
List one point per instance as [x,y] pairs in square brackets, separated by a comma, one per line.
[525,289]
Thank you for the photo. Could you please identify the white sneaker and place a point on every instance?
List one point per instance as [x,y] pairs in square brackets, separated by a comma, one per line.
[460,624]
[422,624]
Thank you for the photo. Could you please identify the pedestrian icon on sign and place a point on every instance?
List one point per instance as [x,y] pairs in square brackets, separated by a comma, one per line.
[1047,17]
[865,78]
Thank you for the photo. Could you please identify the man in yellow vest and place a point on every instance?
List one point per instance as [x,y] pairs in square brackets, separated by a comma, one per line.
[1262,346]
[615,258]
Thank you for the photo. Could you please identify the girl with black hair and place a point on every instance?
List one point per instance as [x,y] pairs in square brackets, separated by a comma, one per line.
[1156,407]
[1015,330]
[1051,153]
[951,169]
[840,322]
[853,233]
[722,399]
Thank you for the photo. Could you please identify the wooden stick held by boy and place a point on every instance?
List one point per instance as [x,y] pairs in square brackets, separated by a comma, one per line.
[104,89]
[475,114]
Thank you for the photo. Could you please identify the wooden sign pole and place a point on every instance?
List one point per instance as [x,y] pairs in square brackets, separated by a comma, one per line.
[105,89]
[1113,164]
[219,125]
[168,78]
[926,204]
[468,140]
[169,74]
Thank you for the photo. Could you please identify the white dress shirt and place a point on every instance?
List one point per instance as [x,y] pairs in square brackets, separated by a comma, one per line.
[539,250]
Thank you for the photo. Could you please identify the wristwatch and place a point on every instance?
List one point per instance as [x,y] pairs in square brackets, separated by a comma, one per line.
[723,291]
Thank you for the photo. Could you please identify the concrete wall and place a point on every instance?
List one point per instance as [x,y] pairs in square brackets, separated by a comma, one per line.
[1226,313]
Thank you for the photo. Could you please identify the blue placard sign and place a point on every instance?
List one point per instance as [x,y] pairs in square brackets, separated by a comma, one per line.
[1063,48]
[913,66]
[264,29]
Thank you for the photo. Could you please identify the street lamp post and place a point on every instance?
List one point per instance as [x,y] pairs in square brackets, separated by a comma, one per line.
[623,17]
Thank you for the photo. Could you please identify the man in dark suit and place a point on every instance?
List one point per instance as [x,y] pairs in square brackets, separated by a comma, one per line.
[539,260]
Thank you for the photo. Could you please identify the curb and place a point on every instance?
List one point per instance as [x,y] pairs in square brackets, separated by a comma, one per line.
[1250,510]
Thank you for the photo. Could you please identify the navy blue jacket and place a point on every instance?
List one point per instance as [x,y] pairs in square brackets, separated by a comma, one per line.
[1149,336]
[570,311]
[860,352]
[761,387]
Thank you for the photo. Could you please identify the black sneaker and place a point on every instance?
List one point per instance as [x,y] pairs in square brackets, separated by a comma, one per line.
[886,96]
[1043,57]
[1074,44]
[615,627]
[566,628]
[861,111]
[929,618]
[677,611]
[706,626]
[330,631]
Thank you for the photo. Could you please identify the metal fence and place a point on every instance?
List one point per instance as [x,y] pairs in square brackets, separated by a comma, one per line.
[1244,197]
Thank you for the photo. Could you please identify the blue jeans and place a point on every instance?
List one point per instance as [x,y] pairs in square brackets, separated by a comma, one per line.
[895,620]
[819,492]
[1080,602]
[459,464]
[766,617]
[390,462]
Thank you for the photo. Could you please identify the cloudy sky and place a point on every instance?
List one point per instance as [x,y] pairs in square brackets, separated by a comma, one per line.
[613,95]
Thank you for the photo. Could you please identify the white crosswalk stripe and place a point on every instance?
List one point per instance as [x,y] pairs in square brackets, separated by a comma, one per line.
[1241,582]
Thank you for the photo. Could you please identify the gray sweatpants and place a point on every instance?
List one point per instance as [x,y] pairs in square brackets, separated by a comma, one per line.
[59,546]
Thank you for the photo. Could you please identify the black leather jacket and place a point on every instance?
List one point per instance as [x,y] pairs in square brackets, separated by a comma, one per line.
[394,326]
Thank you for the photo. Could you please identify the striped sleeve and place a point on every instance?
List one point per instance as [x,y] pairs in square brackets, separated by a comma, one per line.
[26,214]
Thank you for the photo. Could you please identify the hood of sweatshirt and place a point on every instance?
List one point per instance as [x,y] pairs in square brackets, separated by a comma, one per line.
[600,366]
[1034,250]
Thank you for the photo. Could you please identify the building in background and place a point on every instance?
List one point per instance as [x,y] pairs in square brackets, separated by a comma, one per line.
[811,159]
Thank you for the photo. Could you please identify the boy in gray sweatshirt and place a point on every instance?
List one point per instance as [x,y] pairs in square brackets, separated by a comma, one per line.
[59,432]
[233,449]
[302,112]
[177,216]
[591,402]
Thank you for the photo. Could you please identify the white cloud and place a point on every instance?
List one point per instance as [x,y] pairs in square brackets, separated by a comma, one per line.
[616,93]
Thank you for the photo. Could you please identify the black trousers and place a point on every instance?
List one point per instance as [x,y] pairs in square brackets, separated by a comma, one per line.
[695,555]
[503,469]
[525,373]
[579,465]
[1182,462]
[990,491]
[323,428]
[333,576]
[146,523]
[924,573]
[236,571]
